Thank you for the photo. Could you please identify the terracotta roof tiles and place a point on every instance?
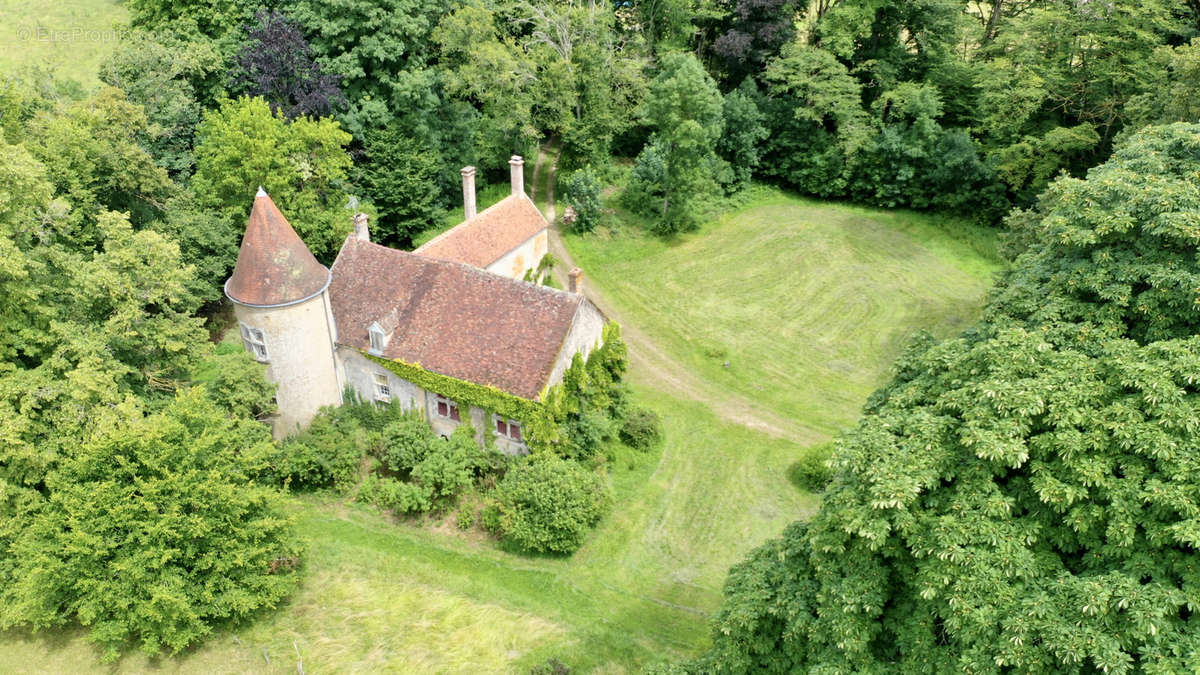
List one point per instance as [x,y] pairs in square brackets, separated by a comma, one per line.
[484,239]
[274,267]
[451,318]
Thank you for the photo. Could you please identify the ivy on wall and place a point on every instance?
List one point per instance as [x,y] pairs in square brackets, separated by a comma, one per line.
[544,420]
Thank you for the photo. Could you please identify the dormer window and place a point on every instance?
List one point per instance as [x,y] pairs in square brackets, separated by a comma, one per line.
[255,342]
[378,339]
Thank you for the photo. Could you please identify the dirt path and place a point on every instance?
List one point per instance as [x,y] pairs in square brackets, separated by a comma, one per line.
[648,361]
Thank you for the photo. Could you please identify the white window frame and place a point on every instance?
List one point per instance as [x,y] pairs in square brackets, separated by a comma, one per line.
[452,410]
[508,426]
[377,339]
[255,342]
[383,388]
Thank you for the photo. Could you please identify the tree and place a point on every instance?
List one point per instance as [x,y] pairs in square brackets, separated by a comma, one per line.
[757,30]
[1021,497]
[581,191]
[154,531]
[1174,94]
[683,108]
[277,63]
[161,74]
[741,141]
[301,163]
[400,177]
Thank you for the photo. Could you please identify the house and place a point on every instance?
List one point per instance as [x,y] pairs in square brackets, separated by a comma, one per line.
[460,307]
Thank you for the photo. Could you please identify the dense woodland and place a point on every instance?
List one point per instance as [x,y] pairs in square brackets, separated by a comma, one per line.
[1021,497]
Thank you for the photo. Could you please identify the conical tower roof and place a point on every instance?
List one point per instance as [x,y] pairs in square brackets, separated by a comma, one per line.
[274,267]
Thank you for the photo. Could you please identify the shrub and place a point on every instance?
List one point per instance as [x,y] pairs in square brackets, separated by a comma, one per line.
[812,472]
[550,667]
[547,504]
[403,497]
[450,465]
[327,454]
[465,518]
[641,428]
[407,442]
[581,191]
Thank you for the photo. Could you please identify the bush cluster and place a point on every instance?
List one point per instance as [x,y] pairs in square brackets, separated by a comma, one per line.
[812,472]
[546,504]
[641,428]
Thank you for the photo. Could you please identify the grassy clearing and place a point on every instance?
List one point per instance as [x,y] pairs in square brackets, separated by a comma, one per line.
[808,303]
[796,295]
[72,38]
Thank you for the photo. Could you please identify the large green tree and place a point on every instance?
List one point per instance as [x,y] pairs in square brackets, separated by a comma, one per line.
[302,164]
[684,110]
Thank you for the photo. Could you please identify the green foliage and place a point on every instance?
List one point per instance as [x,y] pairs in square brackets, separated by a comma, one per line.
[1027,166]
[1115,251]
[237,383]
[465,519]
[327,454]
[406,443]
[1174,92]
[546,504]
[741,141]
[153,532]
[641,428]
[581,191]
[301,163]
[812,472]
[684,108]
[1021,497]
[450,466]
[399,176]
[395,495]
[161,73]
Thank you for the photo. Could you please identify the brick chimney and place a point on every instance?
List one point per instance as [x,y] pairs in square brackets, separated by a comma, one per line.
[361,231]
[575,281]
[468,174]
[516,168]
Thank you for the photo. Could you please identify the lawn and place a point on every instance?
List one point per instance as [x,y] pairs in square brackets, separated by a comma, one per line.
[797,305]
[72,38]
[796,295]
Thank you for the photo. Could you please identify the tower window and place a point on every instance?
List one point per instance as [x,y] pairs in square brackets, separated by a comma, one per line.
[383,390]
[254,341]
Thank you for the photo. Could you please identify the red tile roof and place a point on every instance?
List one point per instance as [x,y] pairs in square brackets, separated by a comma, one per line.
[451,318]
[274,267]
[484,239]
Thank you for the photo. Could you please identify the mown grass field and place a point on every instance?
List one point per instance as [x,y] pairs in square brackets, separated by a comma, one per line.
[795,304]
[808,302]
[72,37]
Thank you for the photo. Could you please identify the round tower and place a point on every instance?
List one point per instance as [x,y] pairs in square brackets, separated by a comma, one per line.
[280,296]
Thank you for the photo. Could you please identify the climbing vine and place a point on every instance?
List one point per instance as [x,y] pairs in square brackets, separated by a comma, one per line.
[587,383]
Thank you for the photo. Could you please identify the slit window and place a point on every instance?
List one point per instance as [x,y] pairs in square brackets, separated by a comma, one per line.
[254,341]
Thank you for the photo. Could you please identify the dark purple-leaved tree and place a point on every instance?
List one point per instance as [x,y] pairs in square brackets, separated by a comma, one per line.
[277,63]
[755,32]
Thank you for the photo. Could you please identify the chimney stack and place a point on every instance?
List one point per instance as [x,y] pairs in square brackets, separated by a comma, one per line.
[516,167]
[575,281]
[361,231]
[468,174]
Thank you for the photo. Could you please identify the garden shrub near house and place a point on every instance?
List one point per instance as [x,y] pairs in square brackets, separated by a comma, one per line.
[546,504]
[641,428]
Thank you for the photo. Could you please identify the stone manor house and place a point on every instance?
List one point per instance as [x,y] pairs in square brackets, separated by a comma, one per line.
[459,306]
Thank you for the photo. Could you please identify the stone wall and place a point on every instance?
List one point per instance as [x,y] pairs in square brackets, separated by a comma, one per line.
[299,341]
[586,329]
[523,258]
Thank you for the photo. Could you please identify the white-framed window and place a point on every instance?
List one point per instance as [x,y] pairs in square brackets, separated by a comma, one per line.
[447,409]
[255,342]
[506,428]
[378,339]
[383,389]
